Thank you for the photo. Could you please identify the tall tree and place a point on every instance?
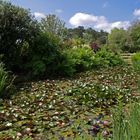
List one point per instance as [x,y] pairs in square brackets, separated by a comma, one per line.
[18,30]
[53,25]
[102,37]
[117,39]
[134,32]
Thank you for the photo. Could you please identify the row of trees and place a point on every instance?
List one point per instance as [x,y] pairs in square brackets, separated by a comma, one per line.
[118,40]
[125,40]
[86,36]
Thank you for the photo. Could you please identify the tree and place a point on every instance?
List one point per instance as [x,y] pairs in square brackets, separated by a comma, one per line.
[88,35]
[134,32]
[18,29]
[117,39]
[102,37]
[87,38]
[53,25]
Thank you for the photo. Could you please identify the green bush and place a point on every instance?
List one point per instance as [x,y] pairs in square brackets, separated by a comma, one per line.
[44,56]
[136,61]
[82,58]
[65,67]
[106,58]
[6,82]
[48,59]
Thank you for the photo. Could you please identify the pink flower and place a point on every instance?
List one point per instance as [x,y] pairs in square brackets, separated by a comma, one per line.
[105,133]
[106,123]
[135,94]
[19,134]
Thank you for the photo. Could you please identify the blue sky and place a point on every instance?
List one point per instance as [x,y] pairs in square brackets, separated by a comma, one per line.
[99,14]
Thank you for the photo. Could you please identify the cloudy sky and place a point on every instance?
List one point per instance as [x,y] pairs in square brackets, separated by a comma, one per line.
[98,14]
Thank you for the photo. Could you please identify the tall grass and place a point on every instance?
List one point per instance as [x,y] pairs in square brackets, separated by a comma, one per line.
[126,123]
[6,82]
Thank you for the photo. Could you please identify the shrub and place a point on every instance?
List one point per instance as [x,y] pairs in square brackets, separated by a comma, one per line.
[82,58]
[65,66]
[106,58]
[43,56]
[6,82]
[38,67]
[48,58]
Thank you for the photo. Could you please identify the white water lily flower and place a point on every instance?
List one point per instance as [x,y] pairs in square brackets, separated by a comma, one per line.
[19,134]
[9,124]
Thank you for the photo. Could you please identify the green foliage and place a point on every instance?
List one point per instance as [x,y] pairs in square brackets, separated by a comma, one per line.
[125,40]
[117,39]
[136,61]
[78,42]
[106,58]
[66,66]
[47,58]
[82,58]
[126,123]
[135,36]
[6,82]
[38,67]
[87,35]
[18,30]
[45,55]
[53,25]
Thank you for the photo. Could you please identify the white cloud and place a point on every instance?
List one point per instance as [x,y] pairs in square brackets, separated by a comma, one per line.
[136,12]
[58,11]
[39,15]
[85,19]
[120,24]
[97,22]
